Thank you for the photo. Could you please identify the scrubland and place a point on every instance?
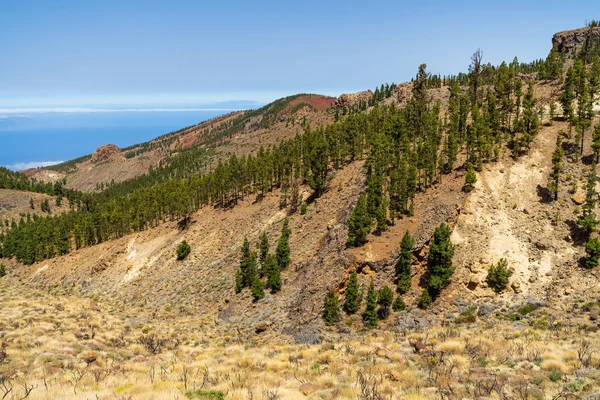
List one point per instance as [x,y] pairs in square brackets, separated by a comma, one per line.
[73,348]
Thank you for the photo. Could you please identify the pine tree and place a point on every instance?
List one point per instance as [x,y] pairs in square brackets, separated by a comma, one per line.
[248,268]
[440,260]
[470,179]
[263,247]
[239,281]
[316,160]
[592,248]
[596,142]
[404,264]
[588,220]
[183,250]
[498,275]
[331,312]
[554,177]
[353,295]
[283,246]
[530,121]
[360,223]
[398,304]
[273,273]
[475,82]
[31,203]
[425,300]
[567,97]
[257,289]
[385,298]
[552,113]
[370,314]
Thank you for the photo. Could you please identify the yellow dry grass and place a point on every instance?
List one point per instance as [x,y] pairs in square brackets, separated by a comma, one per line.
[73,348]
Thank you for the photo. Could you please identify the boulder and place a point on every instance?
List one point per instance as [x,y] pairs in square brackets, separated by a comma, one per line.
[578,198]
[307,388]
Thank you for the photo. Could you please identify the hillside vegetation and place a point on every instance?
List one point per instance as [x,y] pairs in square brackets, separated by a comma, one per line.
[431,239]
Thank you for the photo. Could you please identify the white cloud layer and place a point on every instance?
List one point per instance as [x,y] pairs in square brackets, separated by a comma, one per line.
[8,111]
[33,164]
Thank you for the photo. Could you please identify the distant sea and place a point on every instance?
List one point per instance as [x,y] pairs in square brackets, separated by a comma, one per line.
[30,139]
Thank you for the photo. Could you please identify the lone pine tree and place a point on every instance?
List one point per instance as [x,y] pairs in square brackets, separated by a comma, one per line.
[404,264]
[183,250]
[439,261]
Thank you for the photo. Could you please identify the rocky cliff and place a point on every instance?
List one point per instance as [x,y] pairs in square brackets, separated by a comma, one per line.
[568,41]
[105,152]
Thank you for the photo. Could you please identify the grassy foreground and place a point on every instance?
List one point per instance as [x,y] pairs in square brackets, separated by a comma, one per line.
[70,348]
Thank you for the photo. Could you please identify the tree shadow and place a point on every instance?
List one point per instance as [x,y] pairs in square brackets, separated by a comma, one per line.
[315,195]
[581,262]
[578,234]
[546,196]
[570,147]
[588,160]
[259,198]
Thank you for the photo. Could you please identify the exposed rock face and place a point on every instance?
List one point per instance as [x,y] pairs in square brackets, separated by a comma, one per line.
[568,41]
[105,152]
[349,99]
[403,93]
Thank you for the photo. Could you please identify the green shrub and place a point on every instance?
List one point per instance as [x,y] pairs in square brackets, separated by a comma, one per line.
[498,275]
[303,208]
[183,250]
[528,308]
[205,395]
[556,375]
[467,316]
[2,270]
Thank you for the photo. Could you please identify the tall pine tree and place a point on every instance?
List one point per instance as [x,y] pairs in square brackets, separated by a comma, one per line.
[404,264]
[353,295]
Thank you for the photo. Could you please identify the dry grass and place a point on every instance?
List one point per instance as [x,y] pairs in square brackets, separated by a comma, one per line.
[73,348]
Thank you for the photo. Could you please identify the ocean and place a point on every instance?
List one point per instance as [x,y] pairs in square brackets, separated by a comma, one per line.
[30,139]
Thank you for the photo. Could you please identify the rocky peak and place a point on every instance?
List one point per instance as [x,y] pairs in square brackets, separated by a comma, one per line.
[105,152]
[568,41]
[349,99]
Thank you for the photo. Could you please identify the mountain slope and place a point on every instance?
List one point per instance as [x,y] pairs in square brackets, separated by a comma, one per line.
[238,133]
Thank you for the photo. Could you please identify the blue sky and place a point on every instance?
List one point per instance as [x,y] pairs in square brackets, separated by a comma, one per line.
[176,53]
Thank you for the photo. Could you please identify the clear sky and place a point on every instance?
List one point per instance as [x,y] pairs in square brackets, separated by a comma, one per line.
[75,53]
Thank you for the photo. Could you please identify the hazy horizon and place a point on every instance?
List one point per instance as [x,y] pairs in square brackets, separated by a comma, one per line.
[68,59]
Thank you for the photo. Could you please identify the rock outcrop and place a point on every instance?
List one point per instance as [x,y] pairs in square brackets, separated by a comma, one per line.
[105,152]
[350,99]
[568,41]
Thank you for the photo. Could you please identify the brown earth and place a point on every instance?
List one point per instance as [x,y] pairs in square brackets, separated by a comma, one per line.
[14,203]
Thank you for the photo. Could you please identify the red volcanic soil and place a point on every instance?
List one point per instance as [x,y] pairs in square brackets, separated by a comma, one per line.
[318,102]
